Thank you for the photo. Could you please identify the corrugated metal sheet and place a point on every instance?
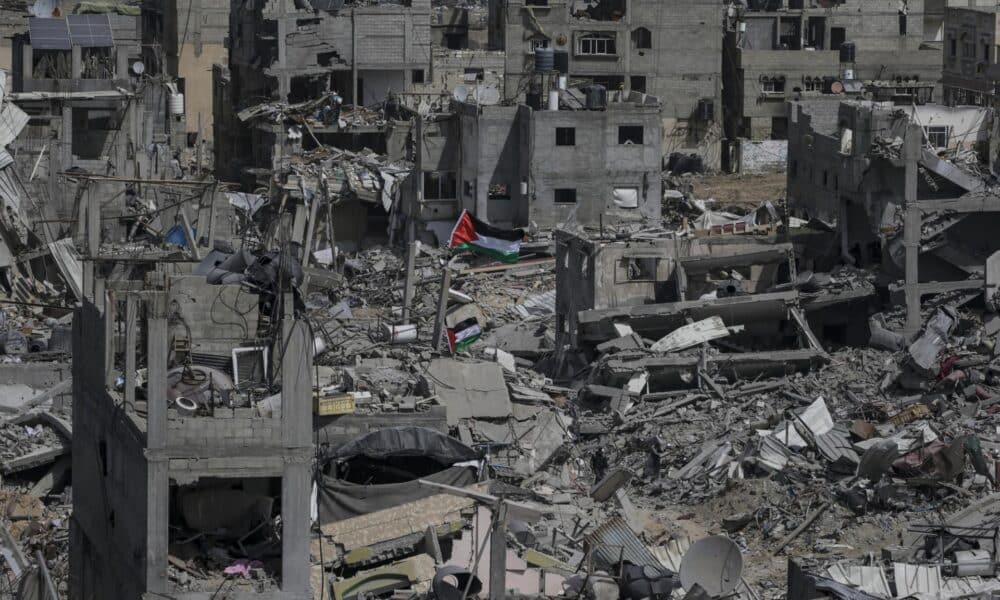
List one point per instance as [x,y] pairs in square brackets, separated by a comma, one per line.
[613,542]
[867,579]
[835,445]
[916,579]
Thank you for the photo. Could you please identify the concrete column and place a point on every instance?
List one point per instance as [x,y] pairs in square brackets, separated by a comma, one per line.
[911,231]
[157,519]
[296,429]
[77,60]
[27,64]
[156,394]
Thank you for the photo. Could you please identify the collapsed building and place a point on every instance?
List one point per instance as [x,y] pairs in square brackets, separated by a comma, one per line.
[778,51]
[906,189]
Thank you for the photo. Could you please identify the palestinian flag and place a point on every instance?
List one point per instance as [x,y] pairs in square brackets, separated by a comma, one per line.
[463,334]
[472,234]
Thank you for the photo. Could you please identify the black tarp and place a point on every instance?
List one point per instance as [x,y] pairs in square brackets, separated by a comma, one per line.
[406,441]
[342,500]
[339,499]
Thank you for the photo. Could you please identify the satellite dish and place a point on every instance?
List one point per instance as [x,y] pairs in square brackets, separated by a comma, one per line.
[138,68]
[486,95]
[461,93]
[715,563]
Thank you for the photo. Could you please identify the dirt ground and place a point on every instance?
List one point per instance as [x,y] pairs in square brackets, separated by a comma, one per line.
[740,189]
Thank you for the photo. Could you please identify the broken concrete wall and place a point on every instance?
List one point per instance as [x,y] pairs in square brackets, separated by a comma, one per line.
[763,156]
[494,153]
[109,528]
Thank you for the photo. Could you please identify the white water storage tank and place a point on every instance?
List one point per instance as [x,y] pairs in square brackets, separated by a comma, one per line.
[175,104]
[554,100]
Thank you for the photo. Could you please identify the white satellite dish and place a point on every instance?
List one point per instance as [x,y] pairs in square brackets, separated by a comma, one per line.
[461,93]
[715,563]
[138,68]
[486,95]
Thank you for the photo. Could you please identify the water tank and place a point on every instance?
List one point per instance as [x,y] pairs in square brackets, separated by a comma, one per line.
[554,100]
[848,52]
[544,59]
[561,58]
[597,97]
[533,99]
[175,104]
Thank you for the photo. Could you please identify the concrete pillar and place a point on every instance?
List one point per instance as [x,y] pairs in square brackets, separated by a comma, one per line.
[911,231]
[157,474]
[27,63]
[295,351]
[77,61]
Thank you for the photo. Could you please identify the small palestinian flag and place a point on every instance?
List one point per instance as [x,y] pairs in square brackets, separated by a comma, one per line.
[472,234]
[463,334]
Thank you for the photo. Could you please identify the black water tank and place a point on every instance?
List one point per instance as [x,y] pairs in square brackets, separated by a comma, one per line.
[544,60]
[848,52]
[534,100]
[597,97]
[828,84]
[561,58]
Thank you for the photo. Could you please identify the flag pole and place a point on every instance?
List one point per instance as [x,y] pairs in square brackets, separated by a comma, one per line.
[443,303]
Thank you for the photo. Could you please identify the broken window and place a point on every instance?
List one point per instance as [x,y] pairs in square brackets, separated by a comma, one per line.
[97,63]
[952,46]
[440,185]
[638,83]
[601,10]
[838,35]
[51,64]
[790,34]
[816,32]
[596,44]
[565,136]
[772,85]
[536,2]
[499,191]
[456,41]
[630,134]
[417,76]
[638,269]
[937,135]
[564,196]
[642,39]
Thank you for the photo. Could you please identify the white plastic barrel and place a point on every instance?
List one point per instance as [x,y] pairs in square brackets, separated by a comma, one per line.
[554,100]
[175,104]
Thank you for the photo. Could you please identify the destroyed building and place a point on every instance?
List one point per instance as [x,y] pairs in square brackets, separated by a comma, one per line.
[970,53]
[671,52]
[905,188]
[90,108]
[183,39]
[780,50]
[287,53]
[13,21]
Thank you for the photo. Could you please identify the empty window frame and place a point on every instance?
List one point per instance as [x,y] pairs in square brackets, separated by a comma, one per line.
[938,136]
[596,44]
[630,134]
[565,136]
[417,76]
[642,38]
[637,83]
[635,269]
[564,196]
[440,185]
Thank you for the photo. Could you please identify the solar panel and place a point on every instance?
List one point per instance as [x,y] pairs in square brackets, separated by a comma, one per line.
[90,31]
[49,34]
